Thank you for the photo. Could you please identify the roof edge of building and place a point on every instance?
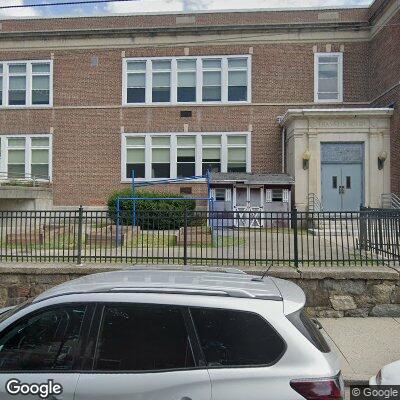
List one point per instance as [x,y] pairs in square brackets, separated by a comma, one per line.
[292,113]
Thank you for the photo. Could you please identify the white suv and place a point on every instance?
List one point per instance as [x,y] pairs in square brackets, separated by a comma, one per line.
[167,335]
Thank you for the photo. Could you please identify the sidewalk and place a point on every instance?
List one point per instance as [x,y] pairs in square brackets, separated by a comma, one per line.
[364,344]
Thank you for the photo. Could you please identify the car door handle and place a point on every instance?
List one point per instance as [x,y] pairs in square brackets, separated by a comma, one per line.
[186,398]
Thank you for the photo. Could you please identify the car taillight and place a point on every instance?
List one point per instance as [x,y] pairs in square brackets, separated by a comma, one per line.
[319,389]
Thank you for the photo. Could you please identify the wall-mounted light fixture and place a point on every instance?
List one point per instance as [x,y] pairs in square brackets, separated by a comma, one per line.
[306,159]
[381,159]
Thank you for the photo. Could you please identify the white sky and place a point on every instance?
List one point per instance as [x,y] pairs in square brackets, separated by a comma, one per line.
[182,5]
[140,6]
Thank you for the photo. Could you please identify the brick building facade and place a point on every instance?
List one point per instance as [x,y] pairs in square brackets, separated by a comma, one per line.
[81,66]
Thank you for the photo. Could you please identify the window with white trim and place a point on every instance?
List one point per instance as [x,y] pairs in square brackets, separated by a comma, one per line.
[211,153]
[237,79]
[136,82]
[277,195]
[237,153]
[17,84]
[212,80]
[25,157]
[185,80]
[26,83]
[161,80]
[41,84]
[160,157]
[186,156]
[181,155]
[135,148]
[328,80]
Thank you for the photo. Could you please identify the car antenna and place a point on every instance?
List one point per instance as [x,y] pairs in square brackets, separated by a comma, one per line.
[260,279]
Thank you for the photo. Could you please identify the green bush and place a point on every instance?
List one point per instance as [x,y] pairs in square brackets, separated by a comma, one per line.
[151,214]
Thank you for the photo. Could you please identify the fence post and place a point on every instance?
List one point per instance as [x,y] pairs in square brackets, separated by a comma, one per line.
[295,238]
[363,229]
[80,231]
[185,224]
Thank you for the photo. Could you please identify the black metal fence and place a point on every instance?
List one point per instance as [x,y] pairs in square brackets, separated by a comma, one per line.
[254,238]
[380,232]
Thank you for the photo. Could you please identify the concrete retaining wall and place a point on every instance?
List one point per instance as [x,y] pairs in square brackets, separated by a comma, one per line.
[25,198]
[331,292]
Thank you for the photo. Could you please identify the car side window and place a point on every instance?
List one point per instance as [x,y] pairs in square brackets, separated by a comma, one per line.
[44,341]
[141,337]
[236,338]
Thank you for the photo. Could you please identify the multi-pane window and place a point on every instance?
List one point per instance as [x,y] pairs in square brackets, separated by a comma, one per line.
[135,156]
[237,153]
[25,83]
[16,157]
[186,156]
[187,71]
[17,84]
[25,157]
[211,154]
[277,195]
[328,85]
[237,79]
[212,80]
[136,82]
[160,159]
[161,92]
[40,157]
[183,80]
[40,83]
[182,155]
[220,194]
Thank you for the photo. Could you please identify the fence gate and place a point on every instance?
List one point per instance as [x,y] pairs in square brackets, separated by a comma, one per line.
[380,232]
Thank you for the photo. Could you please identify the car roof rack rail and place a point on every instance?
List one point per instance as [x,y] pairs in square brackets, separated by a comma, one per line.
[189,268]
[229,292]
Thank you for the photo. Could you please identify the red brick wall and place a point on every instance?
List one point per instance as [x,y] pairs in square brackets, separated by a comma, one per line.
[385,74]
[87,140]
[87,116]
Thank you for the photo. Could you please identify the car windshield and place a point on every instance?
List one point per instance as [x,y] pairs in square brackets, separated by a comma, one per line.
[12,311]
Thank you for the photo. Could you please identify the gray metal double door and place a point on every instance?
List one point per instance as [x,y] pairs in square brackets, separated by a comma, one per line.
[341,187]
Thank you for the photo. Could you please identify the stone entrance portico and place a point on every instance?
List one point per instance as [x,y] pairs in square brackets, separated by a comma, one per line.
[306,130]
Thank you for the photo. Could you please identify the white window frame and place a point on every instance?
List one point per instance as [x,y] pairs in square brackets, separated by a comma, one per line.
[340,78]
[28,154]
[174,168]
[222,151]
[174,80]
[234,146]
[160,71]
[28,63]
[173,152]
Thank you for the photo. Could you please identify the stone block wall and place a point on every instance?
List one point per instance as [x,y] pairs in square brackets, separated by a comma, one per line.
[330,292]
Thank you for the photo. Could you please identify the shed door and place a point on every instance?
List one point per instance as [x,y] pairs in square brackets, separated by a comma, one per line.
[241,197]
